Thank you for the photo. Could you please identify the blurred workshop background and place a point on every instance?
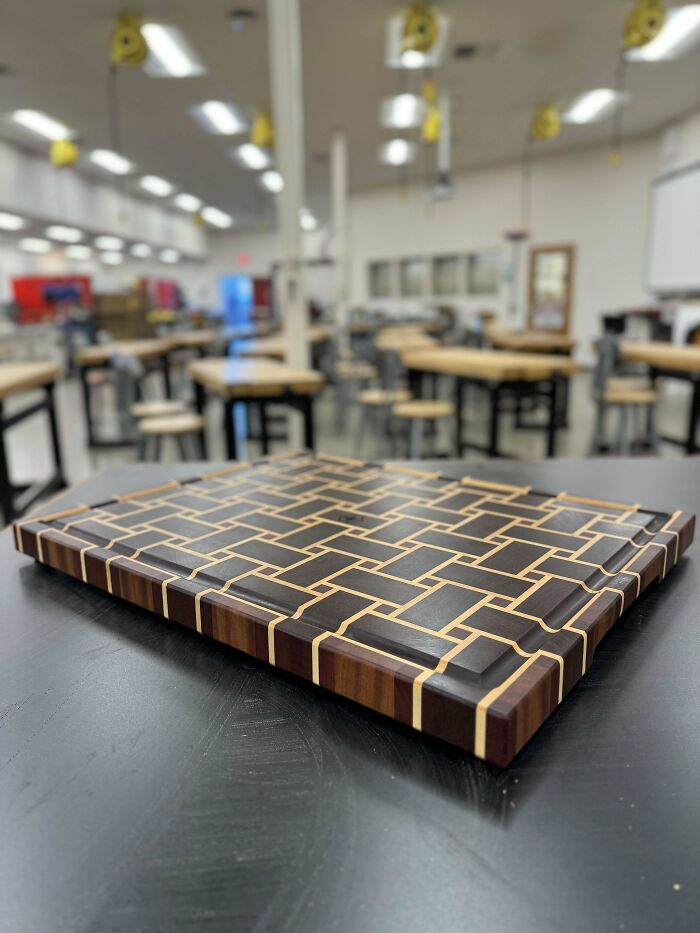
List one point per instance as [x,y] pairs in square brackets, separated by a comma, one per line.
[461,230]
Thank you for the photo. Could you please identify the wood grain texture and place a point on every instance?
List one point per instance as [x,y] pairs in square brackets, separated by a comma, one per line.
[275,346]
[21,377]
[254,378]
[466,609]
[684,358]
[529,341]
[500,365]
[100,353]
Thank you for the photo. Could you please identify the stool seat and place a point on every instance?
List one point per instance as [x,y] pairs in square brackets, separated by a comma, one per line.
[185,423]
[383,396]
[158,407]
[426,409]
[355,369]
[628,392]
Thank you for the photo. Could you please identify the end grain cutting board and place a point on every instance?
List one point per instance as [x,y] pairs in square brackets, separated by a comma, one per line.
[465,609]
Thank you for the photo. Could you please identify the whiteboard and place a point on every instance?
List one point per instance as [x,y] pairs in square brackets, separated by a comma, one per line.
[674,233]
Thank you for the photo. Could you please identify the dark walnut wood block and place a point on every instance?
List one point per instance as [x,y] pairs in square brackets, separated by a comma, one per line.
[465,609]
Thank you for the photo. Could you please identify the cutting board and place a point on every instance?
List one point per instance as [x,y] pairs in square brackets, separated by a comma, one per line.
[463,608]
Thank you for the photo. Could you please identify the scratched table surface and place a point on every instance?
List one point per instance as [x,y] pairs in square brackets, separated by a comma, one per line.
[152,779]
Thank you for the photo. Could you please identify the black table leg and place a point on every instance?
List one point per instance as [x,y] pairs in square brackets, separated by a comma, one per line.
[459,407]
[86,400]
[55,442]
[494,418]
[199,402]
[307,410]
[691,446]
[7,503]
[552,424]
[230,430]
[264,432]
[165,363]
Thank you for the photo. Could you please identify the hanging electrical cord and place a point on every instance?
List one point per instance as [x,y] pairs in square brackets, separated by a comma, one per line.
[114,128]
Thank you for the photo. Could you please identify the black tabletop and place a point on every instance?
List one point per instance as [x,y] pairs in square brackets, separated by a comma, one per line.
[153,780]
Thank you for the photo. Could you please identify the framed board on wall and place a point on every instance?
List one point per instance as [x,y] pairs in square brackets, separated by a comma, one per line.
[380,276]
[413,278]
[484,272]
[550,290]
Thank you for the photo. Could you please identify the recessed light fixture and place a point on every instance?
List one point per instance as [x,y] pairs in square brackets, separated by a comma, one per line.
[272,181]
[170,54]
[397,152]
[593,105]
[253,157]
[169,255]
[107,242]
[11,221]
[32,244]
[141,250]
[156,185]
[217,218]
[111,161]
[42,124]
[112,258]
[681,31]
[64,234]
[188,202]
[403,111]
[79,251]
[220,117]
[307,221]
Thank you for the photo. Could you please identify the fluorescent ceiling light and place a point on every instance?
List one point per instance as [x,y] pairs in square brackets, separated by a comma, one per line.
[64,234]
[188,202]
[141,250]
[112,258]
[396,57]
[593,105]
[111,161]
[253,157]
[156,185]
[307,221]
[109,242]
[217,218]
[169,255]
[80,251]
[218,116]
[397,152]
[34,245]
[11,221]
[680,32]
[42,124]
[170,54]
[403,111]
[272,181]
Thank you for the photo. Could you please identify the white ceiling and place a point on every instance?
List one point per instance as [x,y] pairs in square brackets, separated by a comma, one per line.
[57,52]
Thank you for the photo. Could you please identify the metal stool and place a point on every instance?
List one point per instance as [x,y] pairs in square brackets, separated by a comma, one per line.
[378,402]
[420,412]
[177,426]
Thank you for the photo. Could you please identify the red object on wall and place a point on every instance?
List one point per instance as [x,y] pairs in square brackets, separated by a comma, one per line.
[30,295]
[262,295]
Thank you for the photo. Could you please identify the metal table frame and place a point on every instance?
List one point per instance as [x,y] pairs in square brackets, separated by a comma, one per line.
[17,498]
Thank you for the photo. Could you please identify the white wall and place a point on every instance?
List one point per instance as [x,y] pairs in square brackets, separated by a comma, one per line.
[579,198]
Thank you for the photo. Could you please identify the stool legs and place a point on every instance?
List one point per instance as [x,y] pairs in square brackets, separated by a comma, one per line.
[416,439]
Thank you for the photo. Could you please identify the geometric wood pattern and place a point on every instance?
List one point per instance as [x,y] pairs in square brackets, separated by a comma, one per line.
[463,608]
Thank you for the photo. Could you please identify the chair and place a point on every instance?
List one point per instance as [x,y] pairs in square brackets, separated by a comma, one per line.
[177,426]
[419,413]
[629,396]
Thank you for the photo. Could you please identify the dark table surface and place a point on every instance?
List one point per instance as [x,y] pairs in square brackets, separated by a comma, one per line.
[153,780]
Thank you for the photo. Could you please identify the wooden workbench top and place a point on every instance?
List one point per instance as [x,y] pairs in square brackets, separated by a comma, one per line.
[192,339]
[100,353]
[403,338]
[498,365]
[234,378]
[681,357]
[530,341]
[275,347]
[20,377]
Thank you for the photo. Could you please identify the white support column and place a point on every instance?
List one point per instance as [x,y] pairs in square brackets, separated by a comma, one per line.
[339,193]
[288,118]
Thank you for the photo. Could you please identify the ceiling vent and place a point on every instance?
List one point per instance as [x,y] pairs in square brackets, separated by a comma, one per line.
[475,51]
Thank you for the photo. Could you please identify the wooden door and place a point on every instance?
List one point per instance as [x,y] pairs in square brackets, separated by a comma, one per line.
[551,284]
